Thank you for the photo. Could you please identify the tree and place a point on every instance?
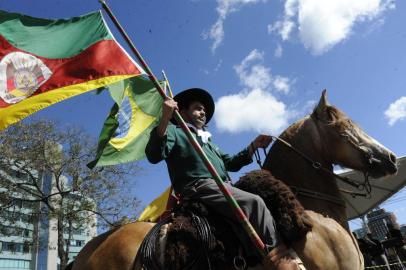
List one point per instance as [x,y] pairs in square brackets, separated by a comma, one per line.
[31,152]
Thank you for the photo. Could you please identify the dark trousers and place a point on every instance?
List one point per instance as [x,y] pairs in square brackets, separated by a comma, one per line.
[207,191]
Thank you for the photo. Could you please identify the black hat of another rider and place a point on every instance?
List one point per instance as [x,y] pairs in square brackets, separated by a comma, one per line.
[188,96]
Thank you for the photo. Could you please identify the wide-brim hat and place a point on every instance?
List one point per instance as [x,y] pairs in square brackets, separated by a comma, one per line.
[187,96]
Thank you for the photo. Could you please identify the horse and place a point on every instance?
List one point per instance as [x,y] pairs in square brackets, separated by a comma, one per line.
[327,136]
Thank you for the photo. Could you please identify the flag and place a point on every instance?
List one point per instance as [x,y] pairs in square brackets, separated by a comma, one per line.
[45,61]
[125,134]
[160,207]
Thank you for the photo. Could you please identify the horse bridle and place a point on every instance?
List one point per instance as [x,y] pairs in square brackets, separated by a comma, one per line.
[361,186]
[317,166]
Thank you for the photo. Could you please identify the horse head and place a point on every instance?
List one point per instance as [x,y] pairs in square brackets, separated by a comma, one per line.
[325,138]
[349,145]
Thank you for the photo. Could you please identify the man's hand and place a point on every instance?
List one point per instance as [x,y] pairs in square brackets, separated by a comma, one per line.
[168,106]
[262,141]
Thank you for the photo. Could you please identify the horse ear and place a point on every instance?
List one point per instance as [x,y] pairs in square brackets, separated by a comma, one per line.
[320,111]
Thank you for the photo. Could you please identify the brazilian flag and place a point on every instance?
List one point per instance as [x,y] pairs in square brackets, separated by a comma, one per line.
[137,110]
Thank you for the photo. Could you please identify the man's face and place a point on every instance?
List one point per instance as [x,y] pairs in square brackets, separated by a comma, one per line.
[195,114]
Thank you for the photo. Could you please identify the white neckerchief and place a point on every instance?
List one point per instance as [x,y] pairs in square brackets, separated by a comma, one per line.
[203,134]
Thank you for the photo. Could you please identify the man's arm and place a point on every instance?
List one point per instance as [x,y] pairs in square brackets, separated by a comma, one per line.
[168,106]
[160,144]
[262,141]
[243,158]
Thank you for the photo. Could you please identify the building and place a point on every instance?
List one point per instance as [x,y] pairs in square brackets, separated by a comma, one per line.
[378,222]
[360,233]
[31,243]
[403,230]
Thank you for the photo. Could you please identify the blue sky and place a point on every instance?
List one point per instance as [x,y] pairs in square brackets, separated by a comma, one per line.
[269,59]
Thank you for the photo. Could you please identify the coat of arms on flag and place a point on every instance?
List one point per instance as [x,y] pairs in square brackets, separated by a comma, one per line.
[21,74]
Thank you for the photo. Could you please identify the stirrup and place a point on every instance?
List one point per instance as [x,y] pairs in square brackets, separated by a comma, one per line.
[296,258]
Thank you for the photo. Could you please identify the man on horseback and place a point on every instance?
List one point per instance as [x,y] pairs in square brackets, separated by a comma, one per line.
[192,180]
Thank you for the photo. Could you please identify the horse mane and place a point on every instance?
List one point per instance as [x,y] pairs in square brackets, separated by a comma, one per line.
[337,119]
[294,128]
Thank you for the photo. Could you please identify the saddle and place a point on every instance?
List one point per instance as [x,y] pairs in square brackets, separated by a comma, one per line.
[192,237]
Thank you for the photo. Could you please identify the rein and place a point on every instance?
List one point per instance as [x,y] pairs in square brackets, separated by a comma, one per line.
[258,156]
[366,185]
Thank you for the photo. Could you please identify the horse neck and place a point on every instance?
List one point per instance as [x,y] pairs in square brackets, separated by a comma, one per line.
[290,167]
[297,172]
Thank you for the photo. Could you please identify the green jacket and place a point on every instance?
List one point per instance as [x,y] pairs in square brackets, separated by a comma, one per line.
[184,164]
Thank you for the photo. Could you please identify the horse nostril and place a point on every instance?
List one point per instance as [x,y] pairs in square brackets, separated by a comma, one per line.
[392,158]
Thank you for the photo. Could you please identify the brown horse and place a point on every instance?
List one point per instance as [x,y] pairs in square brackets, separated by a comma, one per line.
[326,136]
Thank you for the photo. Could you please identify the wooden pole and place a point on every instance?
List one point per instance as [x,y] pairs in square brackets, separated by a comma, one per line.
[241,217]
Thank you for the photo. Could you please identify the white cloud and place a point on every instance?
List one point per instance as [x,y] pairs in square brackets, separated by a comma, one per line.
[396,111]
[283,28]
[291,7]
[255,108]
[224,8]
[282,84]
[218,66]
[323,24]
[216,34]
[278,51]
[215,69]
[253,75]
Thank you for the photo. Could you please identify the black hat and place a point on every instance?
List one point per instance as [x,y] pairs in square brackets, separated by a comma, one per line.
[187,96]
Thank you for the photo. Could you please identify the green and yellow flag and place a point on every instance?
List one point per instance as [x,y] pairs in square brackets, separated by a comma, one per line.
[45,61]
[125,133]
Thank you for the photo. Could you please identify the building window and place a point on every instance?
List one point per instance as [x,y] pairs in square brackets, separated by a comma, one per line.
[15,247]
[77,243]
[75,231]
[13,263]
[8,247]
[17,216]
[26,247]
[15,231]
[29,205]
[17,203]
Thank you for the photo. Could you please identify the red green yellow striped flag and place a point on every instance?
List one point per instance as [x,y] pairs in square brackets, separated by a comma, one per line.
[45,61]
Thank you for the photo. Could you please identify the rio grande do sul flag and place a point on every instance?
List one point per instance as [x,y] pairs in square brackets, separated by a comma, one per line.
[45,61]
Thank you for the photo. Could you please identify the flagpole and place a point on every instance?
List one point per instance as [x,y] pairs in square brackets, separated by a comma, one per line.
[167,83]
[241,217]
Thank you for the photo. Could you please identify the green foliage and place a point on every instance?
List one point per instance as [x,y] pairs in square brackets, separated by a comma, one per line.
[38,150]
